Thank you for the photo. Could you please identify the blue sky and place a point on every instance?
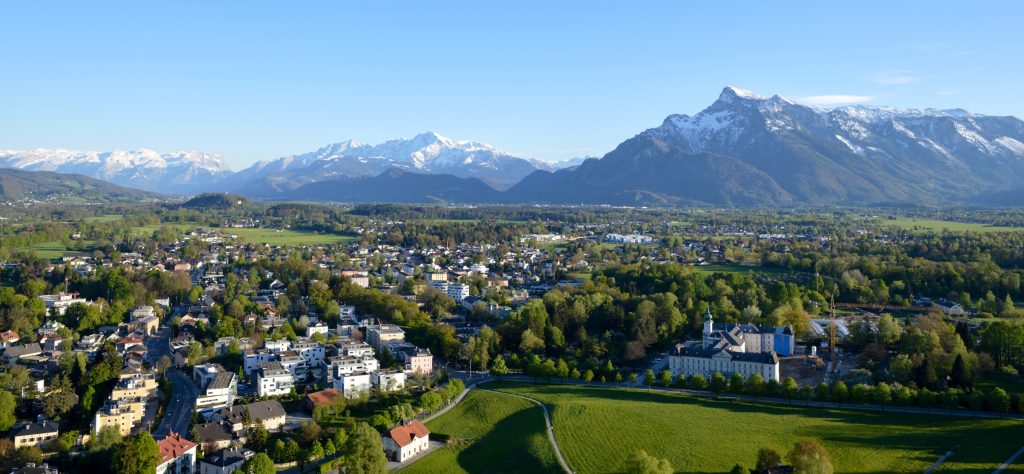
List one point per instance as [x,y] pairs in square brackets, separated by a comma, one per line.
[550,80]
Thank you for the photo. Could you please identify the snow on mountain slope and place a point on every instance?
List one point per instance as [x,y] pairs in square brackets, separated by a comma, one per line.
[182,172]
[427,152]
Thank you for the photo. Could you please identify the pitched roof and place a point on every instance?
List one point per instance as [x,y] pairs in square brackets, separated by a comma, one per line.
[211,432]
[227,457]
[264,410]
[408,432]
[37,428]
[173,446]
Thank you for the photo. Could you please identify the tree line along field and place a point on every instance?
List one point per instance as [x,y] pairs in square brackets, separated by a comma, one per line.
[490,432]
[598,429]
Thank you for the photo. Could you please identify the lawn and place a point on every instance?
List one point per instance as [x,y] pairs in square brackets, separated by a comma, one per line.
[105,218]
[598,428]
[940,225]
[286,236]
[491,432]
[52,250]
[148,229]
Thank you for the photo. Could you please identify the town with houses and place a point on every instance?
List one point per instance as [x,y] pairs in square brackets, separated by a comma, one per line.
[242,352]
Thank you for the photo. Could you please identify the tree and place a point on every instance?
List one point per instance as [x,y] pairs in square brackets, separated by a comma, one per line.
[498,367]
[309,431]
[107,438]
[697,382]
[316,451]
[136,455]
[958,375]
[882,394]
[60,399]
[666,378]
[259,464]
[736,383]
[258,437]
[430,400]
[364,451]
[718,383]
[7,406]
[839,392]
[767,458]
[649,378]
[588,375]
[755,384]
[809,457]
[736,468]
[789,388]
[643,463]
[998,400]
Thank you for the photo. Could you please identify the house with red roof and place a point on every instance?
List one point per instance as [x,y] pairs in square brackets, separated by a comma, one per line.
[406,440]
[177,455]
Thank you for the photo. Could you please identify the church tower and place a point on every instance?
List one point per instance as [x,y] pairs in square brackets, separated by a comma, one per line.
[709,328]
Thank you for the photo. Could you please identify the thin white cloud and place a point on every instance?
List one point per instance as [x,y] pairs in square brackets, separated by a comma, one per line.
[947,92]
[834,99]
[893,79]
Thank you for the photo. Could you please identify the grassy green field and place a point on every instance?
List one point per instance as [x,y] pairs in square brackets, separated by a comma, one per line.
[286,237]
[598,428]
[939,225]
[491,432]
[150,228]
[104,218]
[51,250]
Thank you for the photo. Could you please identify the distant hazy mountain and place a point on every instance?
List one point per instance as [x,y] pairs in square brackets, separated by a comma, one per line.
[748,150]
[19,184]
[173,173]
[424,153]
[397,185]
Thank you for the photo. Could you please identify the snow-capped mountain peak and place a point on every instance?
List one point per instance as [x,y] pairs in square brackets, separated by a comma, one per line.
[178,172]
[428,152]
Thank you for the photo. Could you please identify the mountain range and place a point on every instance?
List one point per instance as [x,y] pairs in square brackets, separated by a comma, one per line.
[42,185]
[742,150]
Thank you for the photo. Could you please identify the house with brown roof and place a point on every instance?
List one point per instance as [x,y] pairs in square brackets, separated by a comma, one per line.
[177,455]
[406,440]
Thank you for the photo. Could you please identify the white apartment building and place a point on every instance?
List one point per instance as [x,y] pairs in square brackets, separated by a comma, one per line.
[273,380]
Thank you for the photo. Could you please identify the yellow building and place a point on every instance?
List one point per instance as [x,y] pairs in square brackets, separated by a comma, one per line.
[137,386]
[123,414]
[35,434]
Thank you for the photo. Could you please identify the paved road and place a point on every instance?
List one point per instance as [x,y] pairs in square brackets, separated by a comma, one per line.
[1004,466]
[178,413]
[158,345]
[551,429]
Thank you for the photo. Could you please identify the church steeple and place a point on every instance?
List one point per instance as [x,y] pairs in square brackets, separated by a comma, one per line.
[709,324]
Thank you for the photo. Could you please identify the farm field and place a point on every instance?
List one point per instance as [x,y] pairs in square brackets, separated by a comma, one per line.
[104,218]
[939,225]
[55,249]
[598,428]
[285,237]
[491,432]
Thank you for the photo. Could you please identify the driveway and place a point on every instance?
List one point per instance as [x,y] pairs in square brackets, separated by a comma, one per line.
[178,414]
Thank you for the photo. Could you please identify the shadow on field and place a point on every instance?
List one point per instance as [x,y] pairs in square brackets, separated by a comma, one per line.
[494,453]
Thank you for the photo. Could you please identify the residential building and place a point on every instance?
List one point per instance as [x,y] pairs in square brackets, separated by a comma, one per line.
[225,461]
[406,440]
[35,434]
[417,360]
[270,412]
[219,392]
[311,351]
[318,328]
[388,380]
[134,386]
[60,302]
[214,435]
[353,385]
[458,291]
[356,349]
[273,380]
[32,468]
[251,360]
[383,334]
[177,455]
[122,414]
[202,374]
[277,345]
[294,363]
